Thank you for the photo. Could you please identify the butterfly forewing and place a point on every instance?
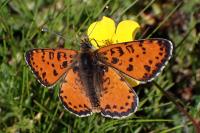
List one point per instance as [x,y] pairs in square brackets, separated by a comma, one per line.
[73,94]
[117,99]
[141,59]
[49,65]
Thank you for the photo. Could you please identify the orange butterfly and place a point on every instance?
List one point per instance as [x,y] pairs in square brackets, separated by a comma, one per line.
[93,80]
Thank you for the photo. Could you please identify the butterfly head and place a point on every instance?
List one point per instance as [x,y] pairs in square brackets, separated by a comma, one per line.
[86,45]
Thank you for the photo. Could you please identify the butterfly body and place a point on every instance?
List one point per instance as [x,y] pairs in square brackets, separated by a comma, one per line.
[87,66]
[93,80]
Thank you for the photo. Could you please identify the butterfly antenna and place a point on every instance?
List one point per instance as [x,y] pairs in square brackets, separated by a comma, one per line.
[95,42]
[52,32]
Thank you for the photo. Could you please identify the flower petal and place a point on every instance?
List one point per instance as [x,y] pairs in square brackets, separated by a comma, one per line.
[126,31]
[132,82]
[101,31]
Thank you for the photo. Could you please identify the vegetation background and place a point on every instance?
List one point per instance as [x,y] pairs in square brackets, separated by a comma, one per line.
[169,104]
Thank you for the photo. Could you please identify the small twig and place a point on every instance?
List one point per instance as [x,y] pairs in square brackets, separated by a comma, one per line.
[179,107]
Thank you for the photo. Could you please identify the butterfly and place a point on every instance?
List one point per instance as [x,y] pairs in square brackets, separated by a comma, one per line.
[93,79]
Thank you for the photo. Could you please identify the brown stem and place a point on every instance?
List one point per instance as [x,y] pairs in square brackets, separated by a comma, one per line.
[179,107]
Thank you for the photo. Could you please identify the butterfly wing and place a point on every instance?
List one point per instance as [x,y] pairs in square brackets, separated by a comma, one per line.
[117,99]
[49,65]
[142,60]
[73,94]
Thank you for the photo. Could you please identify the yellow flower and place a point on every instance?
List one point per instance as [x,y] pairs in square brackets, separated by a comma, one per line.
[104,32]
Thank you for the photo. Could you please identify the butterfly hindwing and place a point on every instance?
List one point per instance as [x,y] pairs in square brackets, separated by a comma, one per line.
[49,65]
[141,59]
[117,99]
[73,94]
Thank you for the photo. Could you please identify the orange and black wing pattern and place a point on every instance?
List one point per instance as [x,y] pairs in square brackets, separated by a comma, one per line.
[142,60]
[117,98]
[48,65]
[73,95]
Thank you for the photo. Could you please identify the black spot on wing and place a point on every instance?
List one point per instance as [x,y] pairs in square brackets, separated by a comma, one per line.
[107,107]
[159,65]
[141,43]
[107,79]
[114,60]
[55,73]
[43,74]
[64,64]
[150,61]
[58,55]
[131,59]
[61,55]
[130,67]
[145,76]
[51,55]
[118,49]
[121,108]
[147,68]
[130,48]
